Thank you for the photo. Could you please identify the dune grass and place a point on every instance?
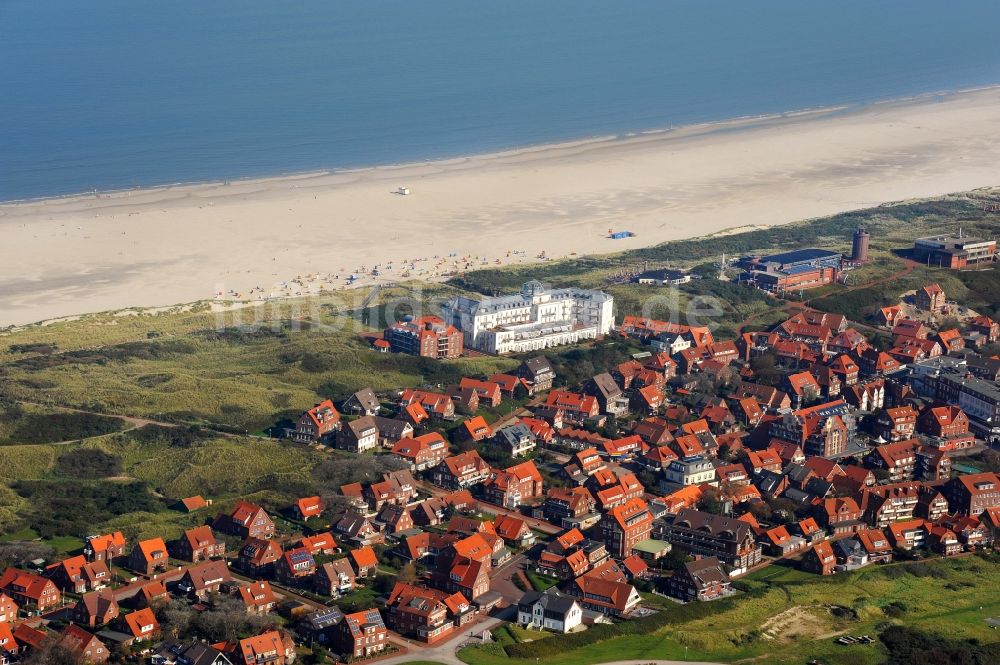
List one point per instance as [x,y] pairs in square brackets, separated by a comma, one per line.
[950,597]
[230,377]
[221,468]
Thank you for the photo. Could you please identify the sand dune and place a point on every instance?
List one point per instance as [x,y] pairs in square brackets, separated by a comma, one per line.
[170,245]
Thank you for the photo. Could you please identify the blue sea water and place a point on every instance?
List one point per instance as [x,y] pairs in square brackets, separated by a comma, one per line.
[111,94]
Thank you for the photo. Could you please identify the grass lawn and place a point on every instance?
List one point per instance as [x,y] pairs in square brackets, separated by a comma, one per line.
[656,600]
[512,633]
[782,571]
[21,534]
[66,545]
[358,599]
[786,618]
[540,582]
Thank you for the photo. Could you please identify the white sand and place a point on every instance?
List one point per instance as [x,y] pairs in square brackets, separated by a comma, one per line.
[163,246]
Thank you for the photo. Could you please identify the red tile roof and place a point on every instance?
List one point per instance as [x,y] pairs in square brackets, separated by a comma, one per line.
[193,503]
[364,557]
[142,623]
[310,506]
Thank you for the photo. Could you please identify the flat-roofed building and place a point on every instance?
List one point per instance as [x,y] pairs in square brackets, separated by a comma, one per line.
[789,271]
[954,251]
[534,319]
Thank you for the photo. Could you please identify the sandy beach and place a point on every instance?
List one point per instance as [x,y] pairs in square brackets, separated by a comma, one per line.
[250,240]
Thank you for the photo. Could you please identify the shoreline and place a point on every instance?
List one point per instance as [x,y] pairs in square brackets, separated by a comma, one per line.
[733,123]
[262,239]
[293,178]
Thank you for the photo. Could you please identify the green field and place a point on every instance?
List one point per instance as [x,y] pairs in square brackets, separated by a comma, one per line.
[785,617]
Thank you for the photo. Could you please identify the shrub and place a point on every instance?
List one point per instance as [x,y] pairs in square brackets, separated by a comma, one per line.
[60,508]
[177,437]
[316,363]
[85,464]
[908,645]
[38,347]
[842,612]
[53,427]
[895,609]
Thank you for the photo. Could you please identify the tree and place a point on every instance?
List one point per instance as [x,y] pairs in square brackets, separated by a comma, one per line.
[783,509]
[711,501]
[52,654]
[727,380]
[227,620]
[407,574]
[19,553]
[610,428]
[331,474]
[726,453]
[949,322]
[761,511]
[175,617]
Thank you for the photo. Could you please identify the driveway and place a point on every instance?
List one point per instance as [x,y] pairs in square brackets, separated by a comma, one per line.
[444,652]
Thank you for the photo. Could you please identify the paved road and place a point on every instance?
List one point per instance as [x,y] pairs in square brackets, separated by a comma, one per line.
[502,579]
[539,525]
[127,591]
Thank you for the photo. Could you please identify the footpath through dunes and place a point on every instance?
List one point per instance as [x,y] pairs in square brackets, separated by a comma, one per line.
[155,248]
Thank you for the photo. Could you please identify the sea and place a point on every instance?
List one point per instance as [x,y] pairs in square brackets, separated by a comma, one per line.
[115,94]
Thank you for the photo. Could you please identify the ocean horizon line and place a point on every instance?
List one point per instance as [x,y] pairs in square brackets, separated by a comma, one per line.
[707,126]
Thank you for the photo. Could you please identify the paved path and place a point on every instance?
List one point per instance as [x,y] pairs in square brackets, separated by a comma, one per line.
[444,652]
[540,525]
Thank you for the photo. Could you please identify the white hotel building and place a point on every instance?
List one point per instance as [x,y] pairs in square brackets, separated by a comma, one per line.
[534,319]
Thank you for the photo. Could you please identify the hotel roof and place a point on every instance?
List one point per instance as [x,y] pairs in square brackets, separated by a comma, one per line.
[800,256]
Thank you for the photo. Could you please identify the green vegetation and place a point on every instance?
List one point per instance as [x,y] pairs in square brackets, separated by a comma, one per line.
[179,367]
[86,464]
[65,474]
[907,645]
[58,508]
[575,364]
[359,599]
[979,291]
[29,424]
[893,228]
[786,616]
[130,481]
[192,366]
[540,582]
